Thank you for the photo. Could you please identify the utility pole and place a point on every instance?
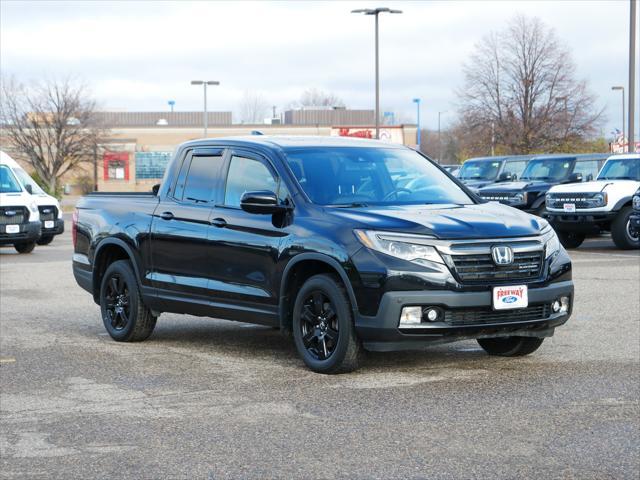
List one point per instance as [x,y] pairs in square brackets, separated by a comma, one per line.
[418,139]
[375,12]
[205,83]
[493,138]
[95,167]
[632,75]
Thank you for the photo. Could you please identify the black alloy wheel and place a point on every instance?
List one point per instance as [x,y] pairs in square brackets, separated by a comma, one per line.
[117,302]
[319,325]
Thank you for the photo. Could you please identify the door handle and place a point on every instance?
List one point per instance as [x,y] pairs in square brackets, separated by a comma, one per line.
[166,216]
[219,222]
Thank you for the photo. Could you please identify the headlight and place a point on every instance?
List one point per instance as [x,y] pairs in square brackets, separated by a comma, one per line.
[407,247]
[520,198]
[550,240]
[636,202]
[599,199]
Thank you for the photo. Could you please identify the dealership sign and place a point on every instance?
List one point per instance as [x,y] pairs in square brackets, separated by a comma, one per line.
[387,134]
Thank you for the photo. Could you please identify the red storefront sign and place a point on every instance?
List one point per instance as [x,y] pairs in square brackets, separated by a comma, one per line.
[116,165]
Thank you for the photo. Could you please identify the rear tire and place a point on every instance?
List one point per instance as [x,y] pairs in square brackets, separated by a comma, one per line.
[621,233]
[571,239]
[24,247]
[126,318]
[45,240]
[323,328]
[510,346]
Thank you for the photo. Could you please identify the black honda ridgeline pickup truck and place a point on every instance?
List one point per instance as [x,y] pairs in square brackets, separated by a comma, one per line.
[312,235]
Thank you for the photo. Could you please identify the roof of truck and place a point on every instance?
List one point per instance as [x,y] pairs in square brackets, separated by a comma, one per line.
[292,141]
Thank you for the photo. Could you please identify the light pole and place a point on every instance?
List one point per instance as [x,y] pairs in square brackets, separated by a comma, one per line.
[631,137]
[439,142]
[205,83]
[171,104]
[623,109]
[375,12]
[418,141]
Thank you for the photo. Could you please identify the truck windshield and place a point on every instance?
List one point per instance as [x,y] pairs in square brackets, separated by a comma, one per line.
[479,170]
[621,169]
[25,179]
[351,176]
[549,169]
[8,183]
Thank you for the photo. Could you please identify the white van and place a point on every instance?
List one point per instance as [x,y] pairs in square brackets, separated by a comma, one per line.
[19,217]
[48,206]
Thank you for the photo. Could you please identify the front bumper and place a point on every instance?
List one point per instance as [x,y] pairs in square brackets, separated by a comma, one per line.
[57,229]
[29,232]
[593,222]
[381,333]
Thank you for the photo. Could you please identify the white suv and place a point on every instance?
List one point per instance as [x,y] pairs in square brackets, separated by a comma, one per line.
[603,205]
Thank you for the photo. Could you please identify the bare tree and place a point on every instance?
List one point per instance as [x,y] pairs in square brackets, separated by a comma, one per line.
[253,107]
[52,124]
[520,93]
[314,97]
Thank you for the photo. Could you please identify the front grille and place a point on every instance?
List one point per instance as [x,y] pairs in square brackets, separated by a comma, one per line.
[473,316]
[48,212]
[13,215]
[581,200]
[497,197]
[480,268]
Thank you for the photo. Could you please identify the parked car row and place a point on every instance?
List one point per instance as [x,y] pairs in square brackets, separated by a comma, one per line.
[580,194]
[28,216]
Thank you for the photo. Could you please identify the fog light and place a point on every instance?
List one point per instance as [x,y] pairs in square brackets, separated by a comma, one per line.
[432,314]
[564,302]
[555,306]
[411,316]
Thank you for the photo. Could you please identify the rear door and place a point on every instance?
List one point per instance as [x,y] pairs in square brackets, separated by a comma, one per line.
[246,246]
[180,242]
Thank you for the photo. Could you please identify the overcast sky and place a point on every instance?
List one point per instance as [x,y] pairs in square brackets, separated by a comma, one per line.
[138,55]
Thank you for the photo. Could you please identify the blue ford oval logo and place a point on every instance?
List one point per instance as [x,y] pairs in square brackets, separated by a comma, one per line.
[510,299]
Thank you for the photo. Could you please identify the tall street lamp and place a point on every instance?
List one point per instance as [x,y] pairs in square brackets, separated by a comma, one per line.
[439,142]
[418,142]
[375,12]
[623,109]
[205,83]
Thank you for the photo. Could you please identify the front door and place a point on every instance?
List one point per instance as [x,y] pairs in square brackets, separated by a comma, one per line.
[247,246]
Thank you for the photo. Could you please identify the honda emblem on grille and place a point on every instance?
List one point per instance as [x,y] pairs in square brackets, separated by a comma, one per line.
[502,254]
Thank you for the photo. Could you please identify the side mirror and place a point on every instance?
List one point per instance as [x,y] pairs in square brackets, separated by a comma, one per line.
[575,177]
[262,202]
[155,189]
[590,177]
[505,177]
[29,188]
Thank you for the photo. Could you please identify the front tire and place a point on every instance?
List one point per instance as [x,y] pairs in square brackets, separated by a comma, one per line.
[621,231]
[46,240]
[571,239]
[323,328]
[126,318]
[510,346]
[24,247]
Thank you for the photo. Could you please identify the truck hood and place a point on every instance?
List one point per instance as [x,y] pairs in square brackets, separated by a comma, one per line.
[521,186]
[475,184]
[485,220]
[17,199]
[627,186]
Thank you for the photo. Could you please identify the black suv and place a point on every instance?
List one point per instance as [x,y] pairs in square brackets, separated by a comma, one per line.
[482,171]
[314,236]
[542,173]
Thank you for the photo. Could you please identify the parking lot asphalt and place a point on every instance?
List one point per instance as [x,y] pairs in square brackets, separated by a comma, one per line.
[211,399]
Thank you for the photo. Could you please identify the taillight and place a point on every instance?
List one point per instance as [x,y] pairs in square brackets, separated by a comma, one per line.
[74,228]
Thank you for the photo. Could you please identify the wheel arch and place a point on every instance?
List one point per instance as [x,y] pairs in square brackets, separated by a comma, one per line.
[107,252]
[297,271]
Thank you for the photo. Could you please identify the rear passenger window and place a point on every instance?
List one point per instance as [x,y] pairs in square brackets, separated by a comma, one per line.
[201,178]
[247,175]
[586,168]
